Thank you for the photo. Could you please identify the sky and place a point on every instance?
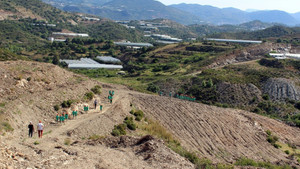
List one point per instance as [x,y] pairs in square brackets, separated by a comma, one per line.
[291,6]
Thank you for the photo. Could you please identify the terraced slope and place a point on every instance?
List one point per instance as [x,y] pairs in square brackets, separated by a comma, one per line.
[217,133]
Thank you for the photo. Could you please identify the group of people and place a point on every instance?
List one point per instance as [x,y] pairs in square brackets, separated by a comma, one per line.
[180,96]
[40,129]
[62,117]
[110,96]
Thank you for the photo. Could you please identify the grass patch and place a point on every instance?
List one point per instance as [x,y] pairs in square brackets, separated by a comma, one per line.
[2,105]
[48,132]
[96,89]
[155,129]
[249,162]
[93,137]
[6,127]
[67,141]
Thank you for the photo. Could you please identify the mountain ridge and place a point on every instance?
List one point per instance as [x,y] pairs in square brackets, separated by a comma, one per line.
[236,16]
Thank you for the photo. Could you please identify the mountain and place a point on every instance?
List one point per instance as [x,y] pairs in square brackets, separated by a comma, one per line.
[296,16]
[128,10]
[214,15]
[235,16]
[273,16]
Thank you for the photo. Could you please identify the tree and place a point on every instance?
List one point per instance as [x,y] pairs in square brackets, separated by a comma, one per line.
[55,59]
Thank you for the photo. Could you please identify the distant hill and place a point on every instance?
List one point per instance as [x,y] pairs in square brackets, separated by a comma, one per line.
[273,16]
[215,15]
[272,32]
[128,10]
[235,16]
[296,16]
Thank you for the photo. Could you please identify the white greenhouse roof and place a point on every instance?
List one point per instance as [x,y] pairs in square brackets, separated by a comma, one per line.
[233,40]
[108,59]
[87,63]
[133,44]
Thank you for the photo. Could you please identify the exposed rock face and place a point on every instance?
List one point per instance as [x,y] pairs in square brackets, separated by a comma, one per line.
[237,94]
[280,89]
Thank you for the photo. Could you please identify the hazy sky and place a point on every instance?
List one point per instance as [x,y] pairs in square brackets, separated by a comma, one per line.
[290,6]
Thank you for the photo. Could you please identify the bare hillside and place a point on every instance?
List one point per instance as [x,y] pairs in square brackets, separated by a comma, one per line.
[29,90]
[217,133]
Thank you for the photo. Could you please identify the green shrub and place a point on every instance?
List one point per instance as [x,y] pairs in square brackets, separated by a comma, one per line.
[269,133]
[36,143]
[153,88]
[276,146]
[28,79]
[287,152]
[56,107]
[138,118]
[67,104]
[266,97]
[139,113]
[89,95]
[129,123]
[96,89]
[119,130]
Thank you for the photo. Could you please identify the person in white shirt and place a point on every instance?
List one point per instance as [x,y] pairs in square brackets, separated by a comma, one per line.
[40,128]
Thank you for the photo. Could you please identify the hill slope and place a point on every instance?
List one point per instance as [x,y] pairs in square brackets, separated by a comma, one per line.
[222,135]
[34,9]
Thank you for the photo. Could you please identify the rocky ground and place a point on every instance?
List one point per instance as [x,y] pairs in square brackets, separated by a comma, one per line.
[222,135]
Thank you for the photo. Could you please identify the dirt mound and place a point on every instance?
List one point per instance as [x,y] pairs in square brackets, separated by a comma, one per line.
[237,94]
[280,89]
[216,133]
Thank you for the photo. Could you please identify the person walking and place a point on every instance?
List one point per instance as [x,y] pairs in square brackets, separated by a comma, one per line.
[31,129]
[40,128]
[95,103]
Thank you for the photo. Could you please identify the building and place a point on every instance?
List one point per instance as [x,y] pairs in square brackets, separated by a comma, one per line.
[108,59]
[232,40]
[133,45]
[86,63]
[52,39]
[70,34]
[285,55]
[165,39]
[90,19]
